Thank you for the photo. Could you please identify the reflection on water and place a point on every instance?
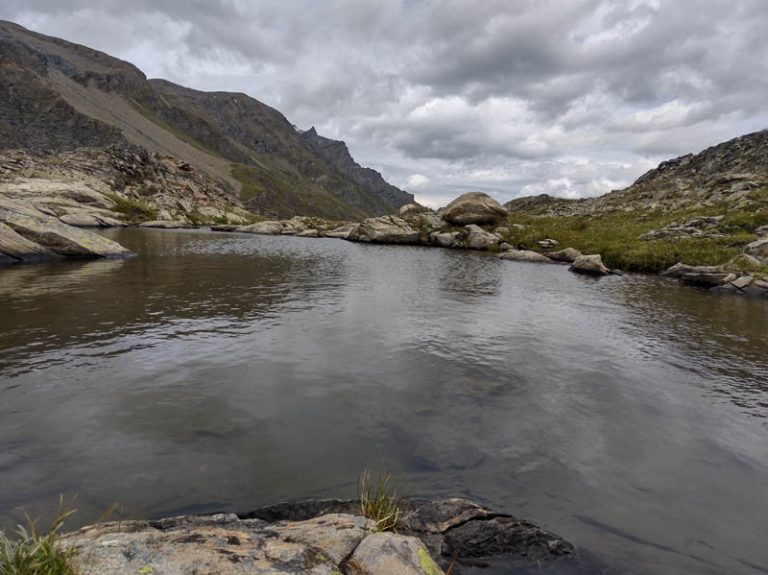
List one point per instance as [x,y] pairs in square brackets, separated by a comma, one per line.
[219,371]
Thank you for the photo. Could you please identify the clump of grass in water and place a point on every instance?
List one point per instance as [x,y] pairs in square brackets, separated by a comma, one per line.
[36,553]
[378,501]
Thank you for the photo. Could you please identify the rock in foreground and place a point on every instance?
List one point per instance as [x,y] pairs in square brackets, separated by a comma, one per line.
[315,537]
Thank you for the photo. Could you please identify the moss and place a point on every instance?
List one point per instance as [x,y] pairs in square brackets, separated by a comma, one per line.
[427,564]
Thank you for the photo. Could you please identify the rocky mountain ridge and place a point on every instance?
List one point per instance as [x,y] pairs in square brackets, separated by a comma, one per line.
[56,96]
[729,175]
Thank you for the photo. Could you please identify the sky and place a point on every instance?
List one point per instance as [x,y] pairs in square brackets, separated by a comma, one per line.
[573,98]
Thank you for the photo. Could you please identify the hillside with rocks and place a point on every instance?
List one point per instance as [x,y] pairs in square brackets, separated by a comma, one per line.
[57,97]
[732,175]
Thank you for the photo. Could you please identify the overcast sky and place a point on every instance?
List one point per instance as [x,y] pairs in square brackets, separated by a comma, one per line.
[513,97]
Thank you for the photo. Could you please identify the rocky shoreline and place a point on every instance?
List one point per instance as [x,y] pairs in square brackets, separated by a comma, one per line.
[47,220]
[328,537]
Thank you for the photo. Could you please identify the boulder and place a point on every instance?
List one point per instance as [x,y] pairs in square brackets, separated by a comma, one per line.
[270,228]
[447,239]
[479,239]
[391,554]
[412,210]
[341,232]
[590,265]
[525,256]
[762,231]
[427,222]
[60,238]
[474,208]
[308,234]
[385,230]
[567,255]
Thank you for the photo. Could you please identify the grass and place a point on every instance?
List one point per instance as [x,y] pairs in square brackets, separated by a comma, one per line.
[133,210]
[615,237]
[378,501]
[34,552]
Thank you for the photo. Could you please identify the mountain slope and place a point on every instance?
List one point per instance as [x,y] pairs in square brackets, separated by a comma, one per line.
[57,96]
[727,176]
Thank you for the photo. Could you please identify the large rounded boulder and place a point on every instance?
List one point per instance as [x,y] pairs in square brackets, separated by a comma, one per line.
[474,208]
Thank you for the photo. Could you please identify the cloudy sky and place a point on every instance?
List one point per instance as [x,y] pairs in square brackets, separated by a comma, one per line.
[514,97]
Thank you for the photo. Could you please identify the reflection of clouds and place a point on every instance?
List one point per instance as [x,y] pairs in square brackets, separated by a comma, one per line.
[470,275]
[702,333]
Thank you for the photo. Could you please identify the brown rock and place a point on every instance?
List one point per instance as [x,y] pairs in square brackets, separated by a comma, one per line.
[474,208]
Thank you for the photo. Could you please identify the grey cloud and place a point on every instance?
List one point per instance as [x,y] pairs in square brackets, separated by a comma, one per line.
[498,95]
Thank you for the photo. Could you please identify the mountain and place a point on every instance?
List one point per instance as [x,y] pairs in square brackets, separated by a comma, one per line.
[56,96]
[731,175]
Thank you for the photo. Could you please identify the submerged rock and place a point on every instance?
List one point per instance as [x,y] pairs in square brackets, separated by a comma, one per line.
[590,265]
[385,230]
[474,208]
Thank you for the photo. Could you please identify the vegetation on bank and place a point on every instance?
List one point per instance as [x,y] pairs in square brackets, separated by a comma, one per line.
[33,552]
[615,235]
[378,501]
[133,211]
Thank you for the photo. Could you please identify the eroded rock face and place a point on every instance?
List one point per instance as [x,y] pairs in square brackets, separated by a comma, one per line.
[474,208]
[590,265]
[385,230]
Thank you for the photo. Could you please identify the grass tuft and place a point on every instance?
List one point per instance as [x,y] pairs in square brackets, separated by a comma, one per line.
[37,553]
[378,501]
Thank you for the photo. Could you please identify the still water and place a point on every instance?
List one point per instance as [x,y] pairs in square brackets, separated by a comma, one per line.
[226,372]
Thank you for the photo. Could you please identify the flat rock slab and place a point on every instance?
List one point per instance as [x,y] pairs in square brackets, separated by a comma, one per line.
[385,553]
[16,248]
[385,230]
[61,238]
[525,256]
[217,545]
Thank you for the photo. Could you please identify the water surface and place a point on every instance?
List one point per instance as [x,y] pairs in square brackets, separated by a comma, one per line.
[226,372]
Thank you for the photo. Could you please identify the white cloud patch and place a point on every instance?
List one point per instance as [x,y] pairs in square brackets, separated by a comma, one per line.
[512,97]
